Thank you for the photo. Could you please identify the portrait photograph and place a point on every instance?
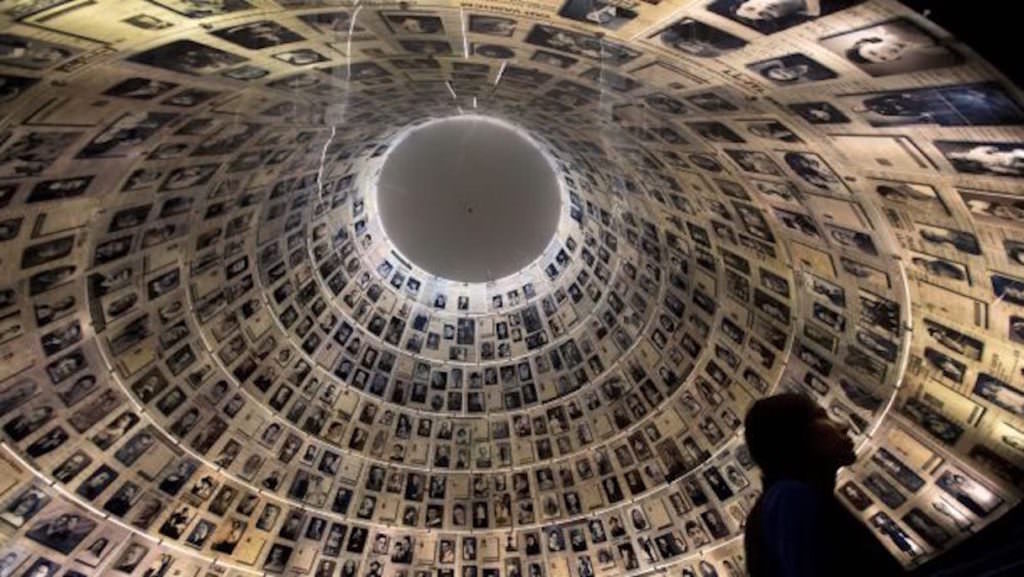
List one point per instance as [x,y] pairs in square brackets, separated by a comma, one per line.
[897,46]
[33,54]
[819,113]
[492,25]
[62,532]
[695,38]
[26,8]
[125,134]
[977,498]
[596,12]
[258,35]
[203,8]
[24,506]
[771,16]
[41,567]
[792,69]
[579,44]
[11,86]
[402,23]
[426,47]
[981,104]
[140,88]
[188,57]
[301,57]
[496,51]
[34,152]
[336,22]
[984,158]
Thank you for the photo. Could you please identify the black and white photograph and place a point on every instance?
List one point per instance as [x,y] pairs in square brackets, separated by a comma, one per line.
[125,134]
[492,25]
[819,113]
[695,38]
[203,8]
[579,44]
[63,531]
[897,46]
[258,35]
[982,104]
[34,152]
[402,23]
[32,54]
[984,158]
[24,506]
[427,47]
[792,69]
[771,16]
[188,57]
[610,15]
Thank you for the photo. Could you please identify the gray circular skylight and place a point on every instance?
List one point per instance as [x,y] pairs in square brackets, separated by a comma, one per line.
[469,199]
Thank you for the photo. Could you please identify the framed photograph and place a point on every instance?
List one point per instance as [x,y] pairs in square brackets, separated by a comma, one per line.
[125,134]
[426,47]
[495,51]
[330,23]
[819,113]
[202,8]
[769,17]
[999,393]
[597,12]
[955,341]
[25,9]
[771,130]
[12,87]
[695,38]
[897,46]
[813,170]
[62,531]
[977,104]
[977,498]
[140,88]
[258,35]
[33,54]
[984,158]
[34,152]
[23,507]
[188,57]
[754,161]
[792,69]
[301,57]
[413,23]
[1008,289]
[994,208]
[492,25]
[579,44]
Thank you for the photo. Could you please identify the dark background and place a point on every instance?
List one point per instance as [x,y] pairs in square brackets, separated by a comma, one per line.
[992,28]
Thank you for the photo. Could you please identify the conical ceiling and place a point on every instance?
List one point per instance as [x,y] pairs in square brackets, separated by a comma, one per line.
[215,362]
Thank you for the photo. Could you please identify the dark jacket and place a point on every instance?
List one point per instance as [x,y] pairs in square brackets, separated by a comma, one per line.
[798,530]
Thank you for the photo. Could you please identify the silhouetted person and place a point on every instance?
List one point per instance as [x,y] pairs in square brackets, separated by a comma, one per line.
[798,528]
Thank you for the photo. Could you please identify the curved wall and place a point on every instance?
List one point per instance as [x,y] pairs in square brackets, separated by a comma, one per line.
[214,363]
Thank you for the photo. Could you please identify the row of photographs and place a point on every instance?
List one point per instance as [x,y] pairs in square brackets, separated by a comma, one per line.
[58,534]
[175,474]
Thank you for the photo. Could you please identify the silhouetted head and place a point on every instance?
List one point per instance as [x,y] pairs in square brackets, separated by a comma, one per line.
[791,437]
